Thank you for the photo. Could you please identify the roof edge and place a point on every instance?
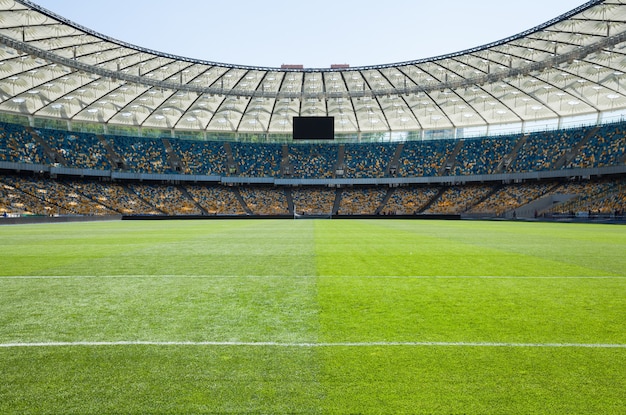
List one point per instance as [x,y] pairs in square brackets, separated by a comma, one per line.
[564,16]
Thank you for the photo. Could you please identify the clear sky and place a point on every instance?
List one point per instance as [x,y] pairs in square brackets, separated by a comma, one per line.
[315,34]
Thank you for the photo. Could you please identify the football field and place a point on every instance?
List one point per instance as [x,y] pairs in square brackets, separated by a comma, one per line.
[312,317]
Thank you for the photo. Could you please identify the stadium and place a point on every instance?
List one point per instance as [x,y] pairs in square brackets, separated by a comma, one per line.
[481,270]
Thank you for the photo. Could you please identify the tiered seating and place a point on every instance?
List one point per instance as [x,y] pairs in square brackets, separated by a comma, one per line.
[17,197]
[114,196]
[142,155]
[458,199]
[409,200]
[216,200]
[361,201]
[511,197]
[166,198]
[313,160]
[58,198]
[424,158]
[18,145]
[265,201]
[613,202]
[313,201]
[483,155]
[605,196]
[600,147]
[201,157]
[605,148]
[80,150]
[367,160]
[24,195]
[257,160]
[542,150]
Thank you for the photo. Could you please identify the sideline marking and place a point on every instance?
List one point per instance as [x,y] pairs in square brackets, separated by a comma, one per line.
[312,345]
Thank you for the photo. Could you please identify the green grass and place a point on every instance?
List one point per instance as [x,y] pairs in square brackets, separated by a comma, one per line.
[313,317]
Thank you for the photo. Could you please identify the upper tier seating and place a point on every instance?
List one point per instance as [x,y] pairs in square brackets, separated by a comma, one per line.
[587,147]
[257,160]
[142,155]
[367,160]
[607,147]
[201,157]
[80,150]
[542,150]
[19,146]
[313,161]
[424,158]
[483,155]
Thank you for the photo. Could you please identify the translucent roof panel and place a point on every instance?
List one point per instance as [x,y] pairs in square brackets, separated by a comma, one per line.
[572,65]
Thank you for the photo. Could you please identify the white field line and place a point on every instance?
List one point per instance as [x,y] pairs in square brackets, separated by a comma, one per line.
[311,345]
[52,277]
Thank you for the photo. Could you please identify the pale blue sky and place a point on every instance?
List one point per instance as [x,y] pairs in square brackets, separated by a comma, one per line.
[314,34]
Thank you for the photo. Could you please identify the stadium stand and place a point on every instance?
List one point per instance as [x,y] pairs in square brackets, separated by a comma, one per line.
[265,201]
[114,196]
[167,199]
[161,175]
[257,160]
[367,160]
[18,145]
[308,161]
[216,200]
[77,150]
[424,158]
[483,155]
[603,197]
[37,195]
[409,200]
[360,201]
[313,200]
[141,155]
[201,157]
[508,199]
[20,197]
[459,199]
[542,150]
[606,147]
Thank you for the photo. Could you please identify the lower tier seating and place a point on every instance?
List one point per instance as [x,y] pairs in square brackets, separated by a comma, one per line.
[36,194]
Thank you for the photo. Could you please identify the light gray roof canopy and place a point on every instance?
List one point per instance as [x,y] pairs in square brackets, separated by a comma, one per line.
[572,65]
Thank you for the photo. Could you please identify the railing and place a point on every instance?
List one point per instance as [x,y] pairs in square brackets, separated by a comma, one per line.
[385,181]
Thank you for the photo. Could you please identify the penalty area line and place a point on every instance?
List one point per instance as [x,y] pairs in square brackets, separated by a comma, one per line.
[310,344]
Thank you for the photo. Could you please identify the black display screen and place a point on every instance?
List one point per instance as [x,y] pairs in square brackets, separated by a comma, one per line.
[313,128]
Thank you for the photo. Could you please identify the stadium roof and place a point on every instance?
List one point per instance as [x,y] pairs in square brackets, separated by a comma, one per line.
[570,66]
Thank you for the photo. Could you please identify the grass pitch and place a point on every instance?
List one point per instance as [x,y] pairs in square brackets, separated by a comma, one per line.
[312,317]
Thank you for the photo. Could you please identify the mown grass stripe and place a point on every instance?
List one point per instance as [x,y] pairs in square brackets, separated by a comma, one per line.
[557,277]
[310,345]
